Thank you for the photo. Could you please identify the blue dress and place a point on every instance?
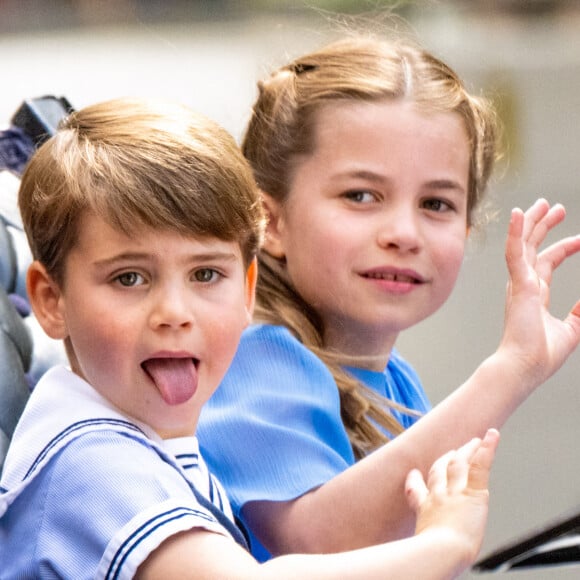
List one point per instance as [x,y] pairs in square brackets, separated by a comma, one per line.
[273,429]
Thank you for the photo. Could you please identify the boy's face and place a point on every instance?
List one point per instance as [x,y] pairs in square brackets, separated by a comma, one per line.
[153,320]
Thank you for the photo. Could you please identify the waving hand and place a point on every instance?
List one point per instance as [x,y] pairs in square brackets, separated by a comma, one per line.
[538,341]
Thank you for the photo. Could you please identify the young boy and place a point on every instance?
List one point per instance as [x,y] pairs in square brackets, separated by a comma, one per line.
[144,222]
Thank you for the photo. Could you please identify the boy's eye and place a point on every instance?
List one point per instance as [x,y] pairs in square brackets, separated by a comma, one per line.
[360,196]
[130,279]
[205,275]
[437,205]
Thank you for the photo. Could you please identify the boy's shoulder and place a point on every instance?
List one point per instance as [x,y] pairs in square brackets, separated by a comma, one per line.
[61,408]
[88,465]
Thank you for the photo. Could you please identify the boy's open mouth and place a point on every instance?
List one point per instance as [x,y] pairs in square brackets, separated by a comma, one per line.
[175,378]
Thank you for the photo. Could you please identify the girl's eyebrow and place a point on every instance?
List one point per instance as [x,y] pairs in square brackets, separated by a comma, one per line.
[382,179]
[362,174]
[446,184]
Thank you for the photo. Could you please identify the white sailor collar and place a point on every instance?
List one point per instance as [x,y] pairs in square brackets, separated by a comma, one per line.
[78,407]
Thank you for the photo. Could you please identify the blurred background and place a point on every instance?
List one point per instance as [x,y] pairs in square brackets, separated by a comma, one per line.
[525,54]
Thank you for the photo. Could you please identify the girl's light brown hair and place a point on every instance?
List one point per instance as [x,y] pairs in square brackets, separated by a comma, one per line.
[281,130]
[138,163]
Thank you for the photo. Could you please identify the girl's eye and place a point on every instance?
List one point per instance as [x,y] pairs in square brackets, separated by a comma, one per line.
[130,279]
[360,196]
[437,205]
[205,275]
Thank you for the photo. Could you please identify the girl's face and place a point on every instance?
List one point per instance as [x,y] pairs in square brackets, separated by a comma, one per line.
[374,228]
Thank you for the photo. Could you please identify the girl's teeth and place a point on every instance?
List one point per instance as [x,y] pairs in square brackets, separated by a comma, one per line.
[391,277]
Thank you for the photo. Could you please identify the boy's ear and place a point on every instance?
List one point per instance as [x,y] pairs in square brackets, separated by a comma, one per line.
[251,280]
[273,241]
[45,299]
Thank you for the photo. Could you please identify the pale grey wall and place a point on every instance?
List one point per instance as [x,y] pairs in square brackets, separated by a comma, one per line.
[213,67]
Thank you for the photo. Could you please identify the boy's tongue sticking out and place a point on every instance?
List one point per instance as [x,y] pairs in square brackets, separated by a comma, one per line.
[176,378]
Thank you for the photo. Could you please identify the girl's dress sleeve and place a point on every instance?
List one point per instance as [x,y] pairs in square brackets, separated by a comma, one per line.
[273,429]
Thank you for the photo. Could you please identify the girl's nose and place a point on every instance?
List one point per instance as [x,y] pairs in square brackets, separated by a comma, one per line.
[399,229]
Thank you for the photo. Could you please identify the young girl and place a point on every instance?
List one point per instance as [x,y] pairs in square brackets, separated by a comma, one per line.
[373,161]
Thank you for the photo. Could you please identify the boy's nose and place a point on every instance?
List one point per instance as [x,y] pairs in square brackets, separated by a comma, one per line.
[171,309]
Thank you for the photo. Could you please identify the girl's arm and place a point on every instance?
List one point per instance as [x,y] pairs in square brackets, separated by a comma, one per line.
[362,505]
[451,513]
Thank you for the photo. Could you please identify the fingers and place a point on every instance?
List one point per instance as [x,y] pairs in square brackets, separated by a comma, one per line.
[479,469]
[554,255]
[514,251]
[459,464]
[527,231]
[533,216]
[540,218]
[455,494]
[467,467]
[437,478]
[415,489]
[533,226]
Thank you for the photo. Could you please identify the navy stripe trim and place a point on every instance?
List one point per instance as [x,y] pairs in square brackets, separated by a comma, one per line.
[76,427]
[238,534]
[194,456]
[143,532]
[189,465]
[216,495]
[212,489]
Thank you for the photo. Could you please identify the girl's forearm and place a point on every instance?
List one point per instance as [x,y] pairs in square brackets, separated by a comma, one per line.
[365,505]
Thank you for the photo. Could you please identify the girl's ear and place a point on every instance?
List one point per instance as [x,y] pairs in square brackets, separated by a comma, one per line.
[46,301]
[251,279]
[273,240]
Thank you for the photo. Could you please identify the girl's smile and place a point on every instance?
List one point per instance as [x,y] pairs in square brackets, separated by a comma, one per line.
[394,280]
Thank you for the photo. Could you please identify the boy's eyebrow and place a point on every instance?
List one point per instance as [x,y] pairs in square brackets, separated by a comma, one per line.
[193,257]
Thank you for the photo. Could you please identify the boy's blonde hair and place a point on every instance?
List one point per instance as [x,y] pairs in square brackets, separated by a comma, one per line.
[281,129]
[135,163]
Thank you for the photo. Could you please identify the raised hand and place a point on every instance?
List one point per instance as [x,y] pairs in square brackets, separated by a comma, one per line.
[538,342]
[455,498]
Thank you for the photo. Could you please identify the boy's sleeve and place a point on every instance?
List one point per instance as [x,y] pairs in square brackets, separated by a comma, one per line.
[115,500]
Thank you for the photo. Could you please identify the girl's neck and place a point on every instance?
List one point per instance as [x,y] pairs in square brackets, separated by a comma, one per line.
[364,349]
